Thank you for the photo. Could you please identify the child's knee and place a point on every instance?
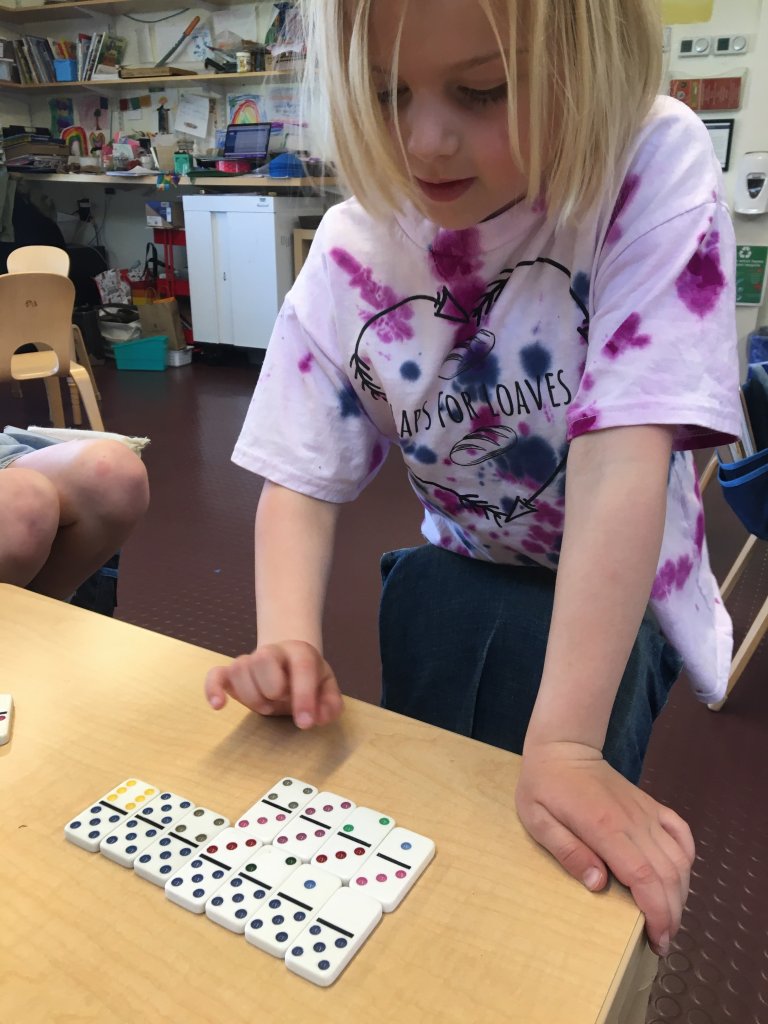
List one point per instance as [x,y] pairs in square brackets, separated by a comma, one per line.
[112,480]
[29,514]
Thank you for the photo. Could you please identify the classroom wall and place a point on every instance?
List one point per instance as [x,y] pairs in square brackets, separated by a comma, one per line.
[750,18]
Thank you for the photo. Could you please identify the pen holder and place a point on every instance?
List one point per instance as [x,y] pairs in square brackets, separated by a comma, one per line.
[65,70]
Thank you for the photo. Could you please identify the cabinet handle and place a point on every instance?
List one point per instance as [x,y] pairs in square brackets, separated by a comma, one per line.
[224,275]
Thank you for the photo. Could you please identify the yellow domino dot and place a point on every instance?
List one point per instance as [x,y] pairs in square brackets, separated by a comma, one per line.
[131,782]
[150,792]
[139,799]
[122,789]
[130,806]
[112,796]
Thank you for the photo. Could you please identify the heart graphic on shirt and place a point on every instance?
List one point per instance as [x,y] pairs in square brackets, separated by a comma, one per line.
[482,445]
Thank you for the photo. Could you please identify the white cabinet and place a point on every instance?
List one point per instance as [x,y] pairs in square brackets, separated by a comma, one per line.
[240,258]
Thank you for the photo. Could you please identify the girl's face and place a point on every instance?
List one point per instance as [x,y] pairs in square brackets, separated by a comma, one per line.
[452,106]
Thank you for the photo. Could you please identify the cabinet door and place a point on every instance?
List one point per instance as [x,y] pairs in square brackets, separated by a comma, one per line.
[208,260]
[253,276]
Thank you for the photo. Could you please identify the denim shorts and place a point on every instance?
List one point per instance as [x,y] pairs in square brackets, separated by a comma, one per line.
[463,644]
[15,443]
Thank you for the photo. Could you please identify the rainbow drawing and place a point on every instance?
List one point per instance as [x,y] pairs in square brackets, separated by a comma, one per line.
[76,140]
[245,110]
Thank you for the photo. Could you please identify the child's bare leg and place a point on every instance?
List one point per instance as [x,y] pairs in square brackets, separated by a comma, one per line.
[103,492]
[29,522]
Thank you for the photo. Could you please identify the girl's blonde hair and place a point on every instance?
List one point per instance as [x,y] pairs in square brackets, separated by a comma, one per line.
[595,69]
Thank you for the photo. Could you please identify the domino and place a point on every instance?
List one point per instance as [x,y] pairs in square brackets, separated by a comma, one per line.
[212,866]
[347,849]
[325,947]
[305,834]
[276,808]
[167,854]
[393,867]
[242,896]
[133,836]
[6,717]
[290,908]
[101,817]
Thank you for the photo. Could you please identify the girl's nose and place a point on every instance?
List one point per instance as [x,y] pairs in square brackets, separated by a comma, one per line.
[428,131]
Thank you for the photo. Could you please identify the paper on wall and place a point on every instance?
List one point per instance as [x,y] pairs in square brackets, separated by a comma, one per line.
[192,115]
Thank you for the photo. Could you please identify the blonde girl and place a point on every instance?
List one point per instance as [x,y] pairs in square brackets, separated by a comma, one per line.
[531,296]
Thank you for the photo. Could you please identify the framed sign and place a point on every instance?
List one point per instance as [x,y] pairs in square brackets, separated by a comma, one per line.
[721,134]
[751,263]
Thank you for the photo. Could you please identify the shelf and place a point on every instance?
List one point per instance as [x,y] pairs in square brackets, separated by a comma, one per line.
[137,84]
[246,181]
[77,10]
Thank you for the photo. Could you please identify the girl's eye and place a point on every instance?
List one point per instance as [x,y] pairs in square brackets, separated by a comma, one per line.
[384,96]
[483,97]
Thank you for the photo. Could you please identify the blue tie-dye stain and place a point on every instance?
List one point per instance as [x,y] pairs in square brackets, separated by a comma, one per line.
[530,459]
[425,455]
[349,403]
[410,370]
[536,359]
[580,286]
[476,379]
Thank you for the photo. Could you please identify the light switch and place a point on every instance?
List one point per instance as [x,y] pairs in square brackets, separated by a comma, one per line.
[700,46]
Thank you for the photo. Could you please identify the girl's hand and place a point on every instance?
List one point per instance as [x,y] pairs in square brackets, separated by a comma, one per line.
[290,677]
[591,819]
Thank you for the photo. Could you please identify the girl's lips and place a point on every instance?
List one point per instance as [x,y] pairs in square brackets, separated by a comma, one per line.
[445,191]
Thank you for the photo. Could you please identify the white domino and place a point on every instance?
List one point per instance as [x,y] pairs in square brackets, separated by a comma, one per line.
[347,849]
[289,908]
[325,947]
[166,855]
[104,815]
[6,717]
[211,868]
[305,834]
[393,867]
[276,808]
[134,835]
[244,893]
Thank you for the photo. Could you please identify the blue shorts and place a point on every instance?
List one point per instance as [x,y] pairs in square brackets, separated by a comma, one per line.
[463,645]
[15,443]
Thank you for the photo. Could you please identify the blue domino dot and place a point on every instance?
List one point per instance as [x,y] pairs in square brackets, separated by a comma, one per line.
[340,943]
[256,922]
[319,947]
[198,893]
[95,809]
[238,897]
[131,836]
[165,796]
[94,821]
[260,894]
[186,851]
[324,965]
[197,863]
[131,849]
[176,881]
[165,842]
[111,840]
[274,904]
[132,823]
[236,883]
[165,855]
[281,937]
[217,901]
[197,878]
[405,846]
[218,874]
[297,951]
[165,869]
[309,884]
[75,824]
[185,804]
[93,835]
[240,914]
[299,915]
[143,859]
[151,833]
[166,819]
[115,817]
[315,929]
[278,919]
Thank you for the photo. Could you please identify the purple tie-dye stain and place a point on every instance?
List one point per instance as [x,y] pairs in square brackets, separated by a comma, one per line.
[395,325]
[702,282]
[626,193]
[377,457]
[456,258]
[673,575]
[305,363]
[582,419]
[626,337]
[698,537]
[587,382]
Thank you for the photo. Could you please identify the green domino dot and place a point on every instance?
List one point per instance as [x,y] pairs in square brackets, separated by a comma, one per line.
[347,828]
[293,804]
[250,867]
[308,790]
[290,860]
[383,821]
[287,782]
[272,796]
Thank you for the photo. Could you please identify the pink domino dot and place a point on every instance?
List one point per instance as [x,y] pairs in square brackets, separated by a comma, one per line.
[282,840]
[381,878]
[2,717]
[359,851]
[321,858]
[319,833]
[400,873]
[341,855]
[346,805]
[281,817]
[362,881]
[231,846]
[310,810]
[328,808]
[262,821]
[301,836]
[244,823]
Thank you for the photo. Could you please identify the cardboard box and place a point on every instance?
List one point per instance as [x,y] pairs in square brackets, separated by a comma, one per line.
[162,213]
[162,317]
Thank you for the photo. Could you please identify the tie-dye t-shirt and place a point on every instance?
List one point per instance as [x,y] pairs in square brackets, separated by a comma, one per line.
[481,353]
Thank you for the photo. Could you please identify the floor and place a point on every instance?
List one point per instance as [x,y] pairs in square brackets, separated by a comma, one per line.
[188,569]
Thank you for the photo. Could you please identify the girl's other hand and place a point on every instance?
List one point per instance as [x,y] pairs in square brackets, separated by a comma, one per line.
[591,819]
[290,677]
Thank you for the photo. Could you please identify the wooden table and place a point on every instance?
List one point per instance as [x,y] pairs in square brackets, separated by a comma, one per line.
[493,931]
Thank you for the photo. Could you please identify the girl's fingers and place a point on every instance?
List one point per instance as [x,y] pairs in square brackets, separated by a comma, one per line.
[216,687]
[673,824]
[568,850]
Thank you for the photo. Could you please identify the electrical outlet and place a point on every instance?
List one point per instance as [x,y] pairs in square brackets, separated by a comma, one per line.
[84,209]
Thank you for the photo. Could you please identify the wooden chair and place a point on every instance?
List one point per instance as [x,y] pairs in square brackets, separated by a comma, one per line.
[37,309]
[759,626]
[49,259]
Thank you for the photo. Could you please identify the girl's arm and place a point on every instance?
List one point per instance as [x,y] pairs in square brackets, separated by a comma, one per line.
[287,672]
[570,800]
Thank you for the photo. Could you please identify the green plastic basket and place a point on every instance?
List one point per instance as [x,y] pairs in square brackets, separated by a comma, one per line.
[141,354]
